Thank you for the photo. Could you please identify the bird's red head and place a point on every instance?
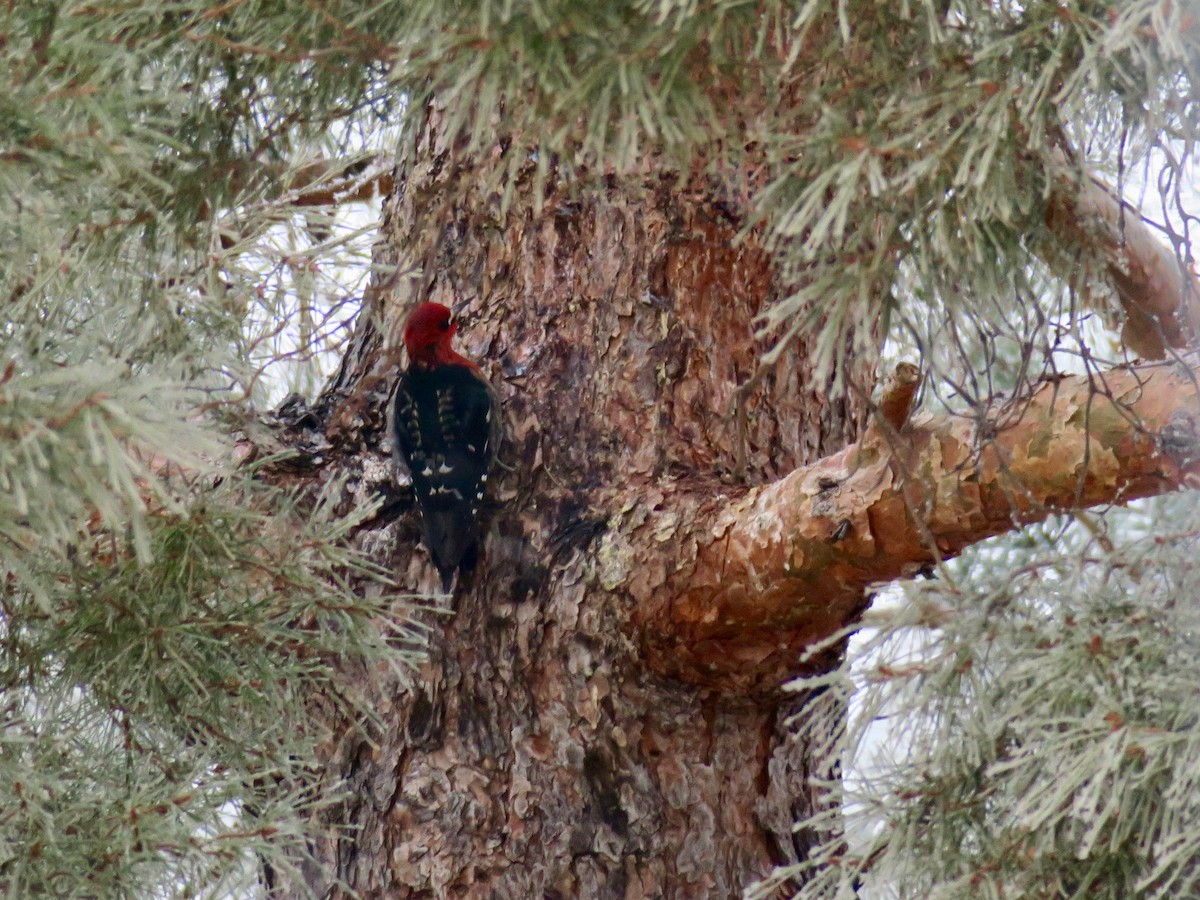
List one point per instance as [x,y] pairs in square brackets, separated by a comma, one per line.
[427,335]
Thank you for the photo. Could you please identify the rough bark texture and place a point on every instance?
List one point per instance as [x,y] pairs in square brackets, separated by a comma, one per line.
[787,565]
[538,754]
[1093,224]
[599,715]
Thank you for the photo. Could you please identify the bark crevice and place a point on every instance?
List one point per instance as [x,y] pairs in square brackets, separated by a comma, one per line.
[600,715]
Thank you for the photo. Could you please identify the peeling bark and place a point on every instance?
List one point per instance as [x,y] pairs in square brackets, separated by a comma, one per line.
[599,715]
[788,564]
[537,755]
[1161,303]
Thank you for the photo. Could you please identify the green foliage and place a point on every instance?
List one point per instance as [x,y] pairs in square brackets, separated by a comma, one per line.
[899,159]
[147,155]
[157,722]
[860,134]
[1042,731]
[167,618]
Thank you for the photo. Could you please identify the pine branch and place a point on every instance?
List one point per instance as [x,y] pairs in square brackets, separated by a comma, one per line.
[318,183]
[788,565]
[1162,307]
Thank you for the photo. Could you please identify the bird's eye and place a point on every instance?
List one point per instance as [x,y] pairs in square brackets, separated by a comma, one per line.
[445,324]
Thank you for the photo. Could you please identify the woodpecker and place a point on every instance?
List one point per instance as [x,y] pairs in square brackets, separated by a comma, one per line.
[445,431]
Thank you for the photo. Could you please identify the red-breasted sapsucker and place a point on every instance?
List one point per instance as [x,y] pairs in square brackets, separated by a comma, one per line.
[445,430]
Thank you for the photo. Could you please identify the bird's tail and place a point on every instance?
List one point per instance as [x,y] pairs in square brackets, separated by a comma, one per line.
[450,541]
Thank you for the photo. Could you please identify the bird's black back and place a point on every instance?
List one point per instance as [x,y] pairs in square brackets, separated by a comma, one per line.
[443,423]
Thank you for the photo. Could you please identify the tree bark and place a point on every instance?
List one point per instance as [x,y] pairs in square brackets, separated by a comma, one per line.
[786,565]
[1091,223]
[537,754]
[600,713]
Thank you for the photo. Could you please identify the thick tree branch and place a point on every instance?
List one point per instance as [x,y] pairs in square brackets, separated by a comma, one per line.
[1161,305]
[790,563]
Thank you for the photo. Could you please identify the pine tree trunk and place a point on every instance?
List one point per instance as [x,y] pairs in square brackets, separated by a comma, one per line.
[555,745]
